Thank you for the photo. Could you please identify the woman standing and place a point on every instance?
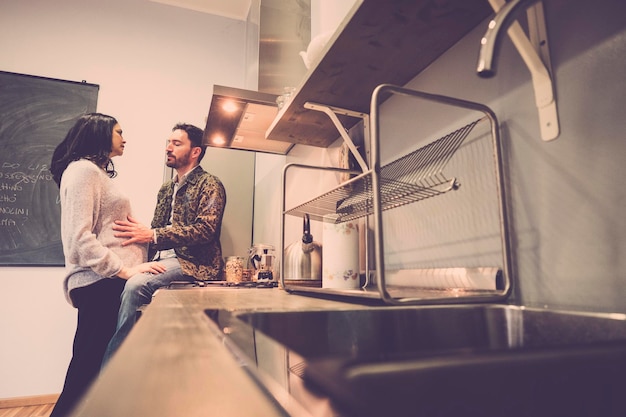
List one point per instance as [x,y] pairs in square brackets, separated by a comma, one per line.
[97,264]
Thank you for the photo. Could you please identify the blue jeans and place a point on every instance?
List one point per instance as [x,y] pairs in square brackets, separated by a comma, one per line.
[137,292]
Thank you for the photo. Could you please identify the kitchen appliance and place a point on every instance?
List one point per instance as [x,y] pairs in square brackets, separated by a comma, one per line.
[303,259]
[261,260]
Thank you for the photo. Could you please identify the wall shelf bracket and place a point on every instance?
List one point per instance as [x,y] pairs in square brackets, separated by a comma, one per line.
[332,113]
[536,54]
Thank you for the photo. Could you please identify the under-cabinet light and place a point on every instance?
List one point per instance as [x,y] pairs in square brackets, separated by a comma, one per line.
[241,118]
[229,106]
[218,140]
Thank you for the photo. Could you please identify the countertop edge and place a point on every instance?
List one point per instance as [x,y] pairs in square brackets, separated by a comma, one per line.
[174,362]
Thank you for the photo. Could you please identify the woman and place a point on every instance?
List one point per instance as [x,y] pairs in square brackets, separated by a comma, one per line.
[97,264]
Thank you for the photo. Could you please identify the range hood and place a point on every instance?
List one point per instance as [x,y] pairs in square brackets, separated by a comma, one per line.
[238,119]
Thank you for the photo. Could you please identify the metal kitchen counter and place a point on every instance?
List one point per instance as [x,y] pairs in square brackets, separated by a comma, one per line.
[174,363]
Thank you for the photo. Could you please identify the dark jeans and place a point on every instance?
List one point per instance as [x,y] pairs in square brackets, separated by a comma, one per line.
[97,305]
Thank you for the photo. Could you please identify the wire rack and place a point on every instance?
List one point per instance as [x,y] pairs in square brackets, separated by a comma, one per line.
[411,178]
[416,176]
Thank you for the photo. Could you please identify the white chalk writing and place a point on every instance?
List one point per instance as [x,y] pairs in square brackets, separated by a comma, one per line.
[18,185]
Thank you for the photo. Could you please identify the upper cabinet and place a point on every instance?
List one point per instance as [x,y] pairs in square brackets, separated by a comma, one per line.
[379,41]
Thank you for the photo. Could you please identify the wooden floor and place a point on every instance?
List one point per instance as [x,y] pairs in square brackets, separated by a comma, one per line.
[41,410]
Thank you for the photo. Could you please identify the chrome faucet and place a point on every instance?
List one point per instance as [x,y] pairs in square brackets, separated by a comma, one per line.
[538,66]
[490,43]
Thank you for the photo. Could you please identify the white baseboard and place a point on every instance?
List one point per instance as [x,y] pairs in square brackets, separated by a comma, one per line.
[28,401]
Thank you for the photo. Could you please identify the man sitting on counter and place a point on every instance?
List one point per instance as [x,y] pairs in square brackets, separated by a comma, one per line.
[185,230]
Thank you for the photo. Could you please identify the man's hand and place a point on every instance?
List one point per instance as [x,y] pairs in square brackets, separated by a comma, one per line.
[146,267]
[133,230]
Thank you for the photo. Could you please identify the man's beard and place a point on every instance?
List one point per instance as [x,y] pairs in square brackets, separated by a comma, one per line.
[178,162]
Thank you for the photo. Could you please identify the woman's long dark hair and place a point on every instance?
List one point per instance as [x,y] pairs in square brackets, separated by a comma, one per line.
[90,138]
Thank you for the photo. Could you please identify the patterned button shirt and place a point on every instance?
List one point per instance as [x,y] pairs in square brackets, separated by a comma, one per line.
[196,224]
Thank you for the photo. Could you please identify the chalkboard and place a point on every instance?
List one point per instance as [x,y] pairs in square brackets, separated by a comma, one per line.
[35,115]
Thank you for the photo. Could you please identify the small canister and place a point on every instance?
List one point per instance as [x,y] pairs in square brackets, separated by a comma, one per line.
[234,268]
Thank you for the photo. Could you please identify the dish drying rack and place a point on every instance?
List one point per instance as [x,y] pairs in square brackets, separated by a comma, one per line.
[414,177]
[417,176]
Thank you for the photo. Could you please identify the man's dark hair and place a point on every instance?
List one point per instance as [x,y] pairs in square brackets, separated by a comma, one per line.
[195,136]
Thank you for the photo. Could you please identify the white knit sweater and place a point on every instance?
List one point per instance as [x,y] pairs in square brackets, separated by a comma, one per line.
[90,203]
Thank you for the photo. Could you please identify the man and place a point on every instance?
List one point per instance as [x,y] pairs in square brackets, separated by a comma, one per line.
[185,232]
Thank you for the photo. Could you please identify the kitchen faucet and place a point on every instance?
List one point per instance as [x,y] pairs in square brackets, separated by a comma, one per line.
[506,14]
[490,43]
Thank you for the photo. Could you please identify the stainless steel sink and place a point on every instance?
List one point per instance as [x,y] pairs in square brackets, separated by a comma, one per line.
[466,360]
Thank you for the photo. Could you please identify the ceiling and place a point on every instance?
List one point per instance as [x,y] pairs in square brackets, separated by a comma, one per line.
[234,9]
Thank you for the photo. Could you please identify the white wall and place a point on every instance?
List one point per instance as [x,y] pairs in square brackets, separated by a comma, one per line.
[156,66]
[327,15]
